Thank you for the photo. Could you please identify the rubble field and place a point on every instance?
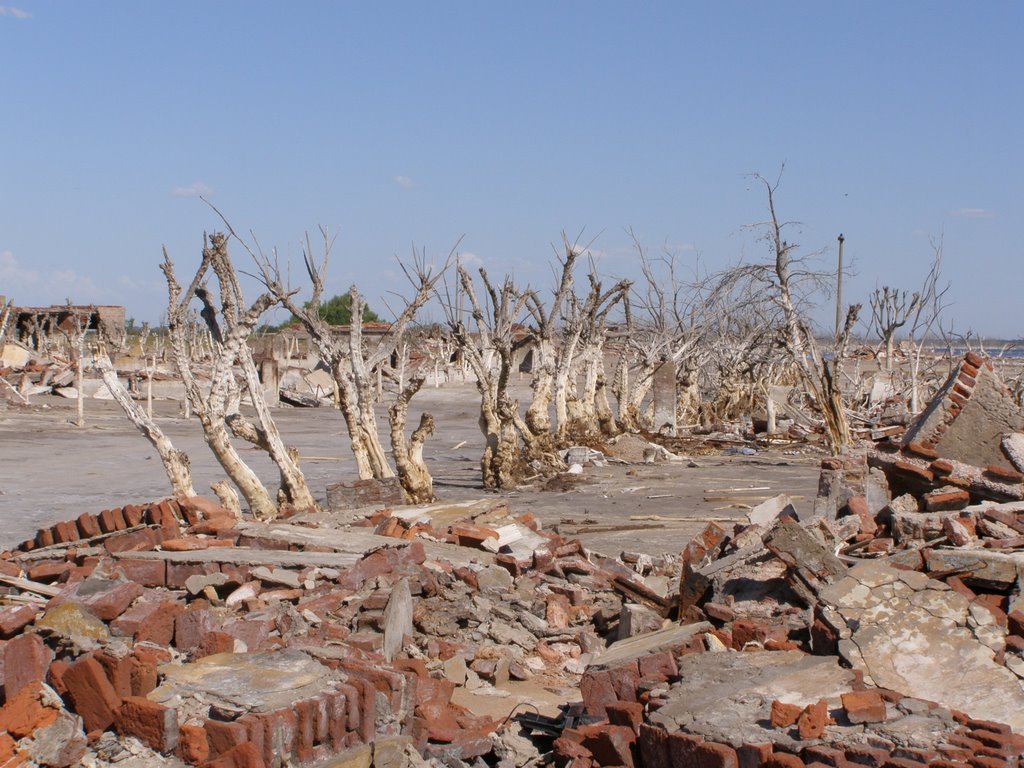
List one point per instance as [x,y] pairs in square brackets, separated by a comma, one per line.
[877,621]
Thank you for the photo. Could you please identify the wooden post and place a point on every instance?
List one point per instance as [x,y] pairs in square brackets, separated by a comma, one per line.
[149,388]
[839,289]
[81,394]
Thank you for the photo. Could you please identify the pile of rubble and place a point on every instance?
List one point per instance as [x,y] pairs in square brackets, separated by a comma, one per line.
[883,627]
[212,640]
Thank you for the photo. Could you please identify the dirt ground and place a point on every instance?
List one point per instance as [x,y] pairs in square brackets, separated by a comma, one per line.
[52,471]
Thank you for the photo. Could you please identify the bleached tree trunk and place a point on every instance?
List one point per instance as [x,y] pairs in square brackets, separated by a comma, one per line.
[216,407]
[176,463]
[356,367]
[412,469]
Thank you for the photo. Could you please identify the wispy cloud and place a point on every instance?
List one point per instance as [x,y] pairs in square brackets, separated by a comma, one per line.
[13,274]
[14,13]
[404,182]
[973,213]
[195,189]
[30,286]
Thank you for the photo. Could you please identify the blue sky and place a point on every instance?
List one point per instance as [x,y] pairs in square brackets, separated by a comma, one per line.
[507,123]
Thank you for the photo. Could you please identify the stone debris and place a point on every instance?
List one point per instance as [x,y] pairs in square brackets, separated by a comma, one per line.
[884,626]
[189,636]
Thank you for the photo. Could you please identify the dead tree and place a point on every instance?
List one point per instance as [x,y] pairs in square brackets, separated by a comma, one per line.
[926,319]
[489,349]
[666,319]
[791,283]
[176,463]
[356,363]
[890,311]
[412,469]
[217,405]
[565,332]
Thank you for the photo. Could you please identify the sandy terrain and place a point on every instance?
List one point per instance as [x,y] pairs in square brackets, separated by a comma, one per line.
[52,471]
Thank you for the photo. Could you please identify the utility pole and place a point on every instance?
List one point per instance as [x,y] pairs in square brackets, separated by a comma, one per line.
[839,288]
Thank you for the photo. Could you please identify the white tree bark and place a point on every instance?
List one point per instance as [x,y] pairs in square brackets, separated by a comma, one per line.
[176,463]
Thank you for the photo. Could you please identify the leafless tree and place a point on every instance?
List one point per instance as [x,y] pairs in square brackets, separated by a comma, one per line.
[891,308]
[567,335]
[666,321]
[791,284]
[926,319]
[217,404]
[176,463]
[489,346]
[356,362]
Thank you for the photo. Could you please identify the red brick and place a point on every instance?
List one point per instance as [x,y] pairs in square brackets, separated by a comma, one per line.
[627,713]
[118,671]
[133,515]
[88,526]
[178,573]
[106,599]
[858,506]
[144,663]
[191,625]
[941,501]
[26,659]
[812,721]
[983,761]
[243,756]
[306,730]
[864,706]
[784,715]
[65,532]
[625,680]
[193,747]
[111,520]
[597,692]
[148,573]
[653,745]
[44,537]
[783,760]
[196,508]
[213,643]
[49,571]
[864,755]
[658,666]
[748,631]
[610,744]
[55,676]
[753,755]
[151,621]
[255,734]
[900,762]
[1004,474]
[14,618]
[24,713]
[913,469]
[163,515]
[153,724]
[989,725]
[91,694]
[974,360]
[139,540]
[925,756]
[825,756]
[223,737]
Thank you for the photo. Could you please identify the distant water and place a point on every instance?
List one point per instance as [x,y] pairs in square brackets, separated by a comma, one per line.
[991,350]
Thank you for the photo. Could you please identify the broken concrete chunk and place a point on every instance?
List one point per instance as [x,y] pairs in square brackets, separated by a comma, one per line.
[766,512]
[397,619]
[902,630]
[795,546]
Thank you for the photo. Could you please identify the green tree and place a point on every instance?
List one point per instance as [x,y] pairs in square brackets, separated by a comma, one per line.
[337,310]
